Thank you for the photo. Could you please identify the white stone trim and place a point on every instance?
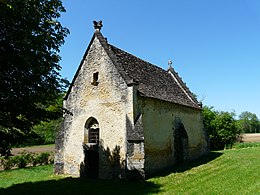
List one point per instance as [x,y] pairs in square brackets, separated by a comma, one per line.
[181,86]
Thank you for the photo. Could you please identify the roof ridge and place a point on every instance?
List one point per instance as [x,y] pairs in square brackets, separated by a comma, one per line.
[129,80]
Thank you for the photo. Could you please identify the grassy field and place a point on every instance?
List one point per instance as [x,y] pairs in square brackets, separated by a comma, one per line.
[234,171]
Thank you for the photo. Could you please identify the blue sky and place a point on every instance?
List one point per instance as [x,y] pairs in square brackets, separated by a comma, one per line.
[214,44]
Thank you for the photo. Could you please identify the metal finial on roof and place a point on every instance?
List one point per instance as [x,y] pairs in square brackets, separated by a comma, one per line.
[98,25]
[170,66]
[170,63]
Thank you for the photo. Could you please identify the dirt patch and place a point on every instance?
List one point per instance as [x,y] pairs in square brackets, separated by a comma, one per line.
[34,149]
[250,137]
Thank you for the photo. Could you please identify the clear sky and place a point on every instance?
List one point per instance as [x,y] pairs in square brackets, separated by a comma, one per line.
[214,44]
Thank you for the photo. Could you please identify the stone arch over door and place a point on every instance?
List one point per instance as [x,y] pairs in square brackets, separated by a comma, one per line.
[90,168]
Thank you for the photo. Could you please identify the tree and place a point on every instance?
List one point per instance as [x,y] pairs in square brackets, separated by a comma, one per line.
[46,131]
[248,122]
[30,37]
[221,126]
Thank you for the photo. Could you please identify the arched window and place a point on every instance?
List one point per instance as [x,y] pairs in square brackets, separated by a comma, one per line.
[91,134]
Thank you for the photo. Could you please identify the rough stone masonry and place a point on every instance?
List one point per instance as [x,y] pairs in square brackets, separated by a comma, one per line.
[126,118]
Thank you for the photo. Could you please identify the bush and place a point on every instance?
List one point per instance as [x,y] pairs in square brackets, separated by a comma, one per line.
[26,159]
[7,163]
[222,128]
[43,158]
[51,158]
[23,159]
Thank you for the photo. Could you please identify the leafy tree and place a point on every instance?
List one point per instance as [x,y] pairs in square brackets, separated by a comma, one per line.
[46,132]
[6,139]
[248,122]
[221,127]
[30,37]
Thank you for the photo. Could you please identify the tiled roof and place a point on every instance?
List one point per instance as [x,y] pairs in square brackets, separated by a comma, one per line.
[154,81]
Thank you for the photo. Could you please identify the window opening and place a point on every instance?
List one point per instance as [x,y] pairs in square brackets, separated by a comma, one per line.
[94,135]
[91,132]
[95,79]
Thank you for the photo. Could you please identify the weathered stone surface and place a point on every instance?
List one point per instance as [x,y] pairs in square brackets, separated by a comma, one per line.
[160,126]
[136,131]
[106,102]
[135,160]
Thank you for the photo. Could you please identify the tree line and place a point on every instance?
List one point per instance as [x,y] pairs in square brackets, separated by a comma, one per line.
[248,122]
[224,129]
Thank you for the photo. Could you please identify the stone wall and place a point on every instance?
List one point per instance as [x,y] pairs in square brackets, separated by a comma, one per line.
[172,133]
[106,99]
[137,135]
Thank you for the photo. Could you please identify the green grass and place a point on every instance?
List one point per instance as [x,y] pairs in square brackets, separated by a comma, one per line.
[235,171]
[31,174]
[246,145]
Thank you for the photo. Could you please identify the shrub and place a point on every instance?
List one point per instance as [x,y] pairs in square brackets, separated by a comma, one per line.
[26,158]
[51,158]
[222,128]
[43,158]
[23,159]
[7,163]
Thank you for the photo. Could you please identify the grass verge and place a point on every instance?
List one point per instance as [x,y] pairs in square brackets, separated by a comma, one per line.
[223,172]
[246,145]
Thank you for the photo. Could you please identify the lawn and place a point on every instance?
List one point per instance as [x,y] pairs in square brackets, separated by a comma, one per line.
[234,171]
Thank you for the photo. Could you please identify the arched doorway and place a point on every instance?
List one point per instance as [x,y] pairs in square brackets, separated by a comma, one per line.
[181,142]
[91,149]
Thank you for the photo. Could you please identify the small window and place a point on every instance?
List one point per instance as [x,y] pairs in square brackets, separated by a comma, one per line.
[94,135]
[95,79]
[91,131]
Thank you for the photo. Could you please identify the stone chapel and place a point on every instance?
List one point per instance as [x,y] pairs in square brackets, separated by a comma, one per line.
[126,118]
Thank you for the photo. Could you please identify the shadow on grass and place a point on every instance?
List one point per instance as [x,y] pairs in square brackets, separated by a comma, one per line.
[187,165]
[82,186]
